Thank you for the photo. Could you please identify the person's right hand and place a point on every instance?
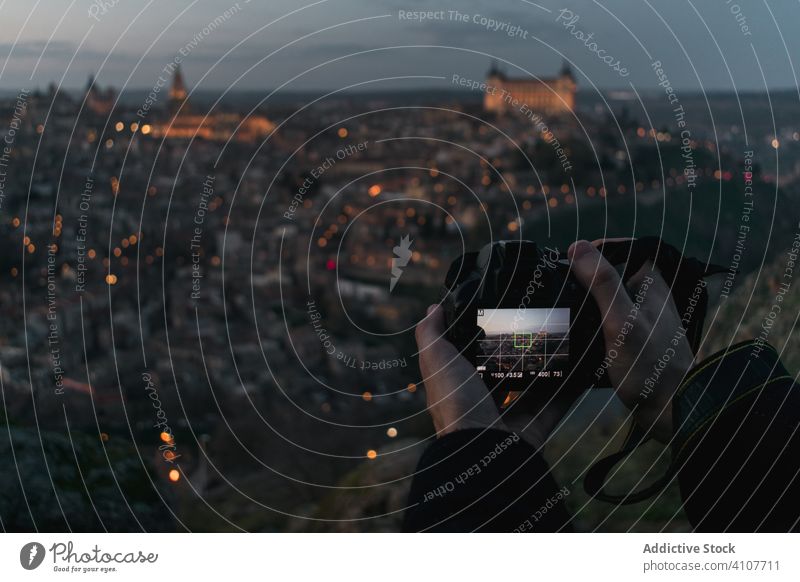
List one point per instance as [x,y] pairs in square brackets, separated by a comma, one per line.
[652,351]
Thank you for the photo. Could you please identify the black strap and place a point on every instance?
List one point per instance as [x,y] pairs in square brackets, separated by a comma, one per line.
[595,479]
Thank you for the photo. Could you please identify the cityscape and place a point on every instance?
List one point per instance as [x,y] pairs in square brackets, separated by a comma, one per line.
[209,300]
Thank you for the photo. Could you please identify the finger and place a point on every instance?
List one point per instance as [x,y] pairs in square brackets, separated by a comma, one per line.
[658,293]
[657,288]
[435,351]
[431,328]
[595,273]
[647,269]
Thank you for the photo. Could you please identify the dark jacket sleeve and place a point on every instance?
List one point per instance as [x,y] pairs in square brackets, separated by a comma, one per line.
[737,443]
[484,480]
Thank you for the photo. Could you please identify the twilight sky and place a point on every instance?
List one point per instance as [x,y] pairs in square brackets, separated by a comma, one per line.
[531,320]
[699,42]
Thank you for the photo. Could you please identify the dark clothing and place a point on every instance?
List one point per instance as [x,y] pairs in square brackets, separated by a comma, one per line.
[735,454]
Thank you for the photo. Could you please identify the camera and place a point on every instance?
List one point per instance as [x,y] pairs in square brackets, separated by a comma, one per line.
[517,313]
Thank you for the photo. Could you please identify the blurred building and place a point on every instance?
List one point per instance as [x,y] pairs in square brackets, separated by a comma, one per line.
[99,101]
[551,96]
[183,123]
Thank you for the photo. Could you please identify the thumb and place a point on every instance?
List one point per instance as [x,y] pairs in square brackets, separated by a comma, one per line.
[597,275]
[431,328]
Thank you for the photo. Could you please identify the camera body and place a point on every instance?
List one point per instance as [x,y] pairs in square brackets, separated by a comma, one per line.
[517,313]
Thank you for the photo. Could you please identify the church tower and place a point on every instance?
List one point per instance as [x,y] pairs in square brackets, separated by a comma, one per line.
[99,101]
[565,86]
[492,99]
[177,93]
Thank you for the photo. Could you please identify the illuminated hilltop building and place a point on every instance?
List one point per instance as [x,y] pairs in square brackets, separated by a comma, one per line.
[182,123]
[552,96]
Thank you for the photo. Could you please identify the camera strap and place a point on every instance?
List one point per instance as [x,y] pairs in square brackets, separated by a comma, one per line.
[596,477]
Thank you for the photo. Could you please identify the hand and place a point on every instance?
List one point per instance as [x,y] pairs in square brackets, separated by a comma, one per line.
[457,398]
[647,364]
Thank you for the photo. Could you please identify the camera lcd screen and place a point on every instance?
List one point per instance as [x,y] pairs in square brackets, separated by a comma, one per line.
[523,343]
